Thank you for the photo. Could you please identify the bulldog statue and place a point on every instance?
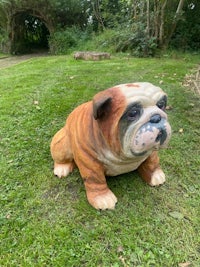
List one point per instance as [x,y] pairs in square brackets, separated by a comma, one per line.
[119,131]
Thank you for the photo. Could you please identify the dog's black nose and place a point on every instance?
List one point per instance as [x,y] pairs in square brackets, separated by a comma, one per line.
[155,118]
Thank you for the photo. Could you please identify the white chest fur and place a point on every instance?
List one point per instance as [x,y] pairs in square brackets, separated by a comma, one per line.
[115,165]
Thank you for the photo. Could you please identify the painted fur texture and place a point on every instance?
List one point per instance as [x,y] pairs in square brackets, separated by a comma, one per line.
[119,131]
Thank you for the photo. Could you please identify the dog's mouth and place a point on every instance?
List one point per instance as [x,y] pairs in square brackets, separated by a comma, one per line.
[161,137]
[150,137]
[141,150]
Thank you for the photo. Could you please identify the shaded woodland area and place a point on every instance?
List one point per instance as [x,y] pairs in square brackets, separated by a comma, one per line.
[139,27]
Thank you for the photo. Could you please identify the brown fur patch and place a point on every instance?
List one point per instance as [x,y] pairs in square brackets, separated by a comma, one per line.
[132,85]
[109,125]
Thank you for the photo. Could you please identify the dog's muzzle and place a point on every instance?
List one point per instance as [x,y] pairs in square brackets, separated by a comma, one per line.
[162,135]
[154,134]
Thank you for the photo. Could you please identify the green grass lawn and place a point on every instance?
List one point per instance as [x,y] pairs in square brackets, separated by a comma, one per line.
[47,221]
[3,55]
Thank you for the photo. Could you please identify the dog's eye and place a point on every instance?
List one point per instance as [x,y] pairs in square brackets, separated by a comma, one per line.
[162,103]
[134,114]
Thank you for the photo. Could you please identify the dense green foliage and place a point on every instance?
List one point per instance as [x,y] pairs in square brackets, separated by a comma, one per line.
[46,221]
[140,27]
[187,34]
[113,40]
[62,42]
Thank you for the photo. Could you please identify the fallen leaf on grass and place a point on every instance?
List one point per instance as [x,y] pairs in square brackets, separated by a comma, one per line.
[191,104]
[120,249]
[184,264]
[176,215]
[38,107]
[36,103]
[169,107]
[123,261]
[8,216]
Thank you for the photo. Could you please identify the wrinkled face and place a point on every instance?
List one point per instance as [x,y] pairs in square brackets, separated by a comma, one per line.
[143,127]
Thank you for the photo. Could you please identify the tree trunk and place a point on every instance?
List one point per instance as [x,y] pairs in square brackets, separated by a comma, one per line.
[97,13]
[162,17]
[174,24]
[148,20]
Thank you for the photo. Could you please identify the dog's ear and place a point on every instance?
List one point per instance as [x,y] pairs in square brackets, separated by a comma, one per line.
[101,105]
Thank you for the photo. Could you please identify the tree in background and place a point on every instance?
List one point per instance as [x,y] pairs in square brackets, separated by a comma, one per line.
[108,13]
[144,25]
[20,18]
[187,32]
[138,26]
[158,18]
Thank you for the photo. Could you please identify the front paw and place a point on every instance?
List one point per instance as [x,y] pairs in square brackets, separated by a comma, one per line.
[158,178]
[62,170]
[103,201]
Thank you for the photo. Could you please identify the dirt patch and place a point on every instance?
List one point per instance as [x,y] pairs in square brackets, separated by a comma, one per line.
[7,62]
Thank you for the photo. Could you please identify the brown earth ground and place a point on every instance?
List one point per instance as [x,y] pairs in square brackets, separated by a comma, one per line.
[8,61]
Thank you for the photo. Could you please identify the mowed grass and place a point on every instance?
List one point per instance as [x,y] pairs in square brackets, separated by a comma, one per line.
[47,221]
[2,55]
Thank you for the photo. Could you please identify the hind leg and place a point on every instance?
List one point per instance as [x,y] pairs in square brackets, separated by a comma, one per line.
[62,154]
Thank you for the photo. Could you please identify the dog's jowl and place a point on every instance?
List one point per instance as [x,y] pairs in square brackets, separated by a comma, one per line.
[119,131]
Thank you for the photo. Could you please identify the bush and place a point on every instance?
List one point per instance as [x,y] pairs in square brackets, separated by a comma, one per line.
[4,42]
[103,41]
[61,42]
[136,42]
[186,40]
[131,39]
